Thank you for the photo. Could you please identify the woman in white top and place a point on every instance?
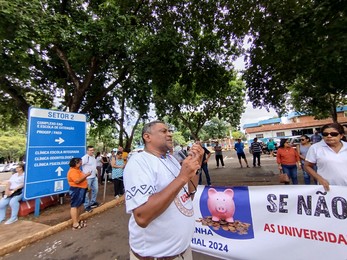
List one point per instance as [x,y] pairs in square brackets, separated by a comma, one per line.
[330,156]
[13,195]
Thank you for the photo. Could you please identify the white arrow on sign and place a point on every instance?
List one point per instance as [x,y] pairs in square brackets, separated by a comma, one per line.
[60,140]
[59,170]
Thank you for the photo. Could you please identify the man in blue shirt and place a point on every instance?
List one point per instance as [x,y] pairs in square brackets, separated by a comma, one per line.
[316,137]
[239,146]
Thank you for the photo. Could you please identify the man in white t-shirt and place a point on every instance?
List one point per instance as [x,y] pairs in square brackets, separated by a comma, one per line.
[158,193]
[89,165]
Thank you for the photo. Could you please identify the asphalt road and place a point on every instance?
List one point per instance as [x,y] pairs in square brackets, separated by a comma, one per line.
[105,237]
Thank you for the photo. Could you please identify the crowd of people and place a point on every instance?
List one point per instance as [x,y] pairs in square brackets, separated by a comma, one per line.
[321,158]
[168,180]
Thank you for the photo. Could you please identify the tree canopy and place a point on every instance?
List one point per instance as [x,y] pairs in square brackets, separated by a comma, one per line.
[298,48]
[110,58]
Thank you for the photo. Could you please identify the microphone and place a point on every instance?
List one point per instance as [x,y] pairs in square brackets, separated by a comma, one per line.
[183,155]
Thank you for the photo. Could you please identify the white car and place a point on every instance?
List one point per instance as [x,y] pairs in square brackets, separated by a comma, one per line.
[2,167]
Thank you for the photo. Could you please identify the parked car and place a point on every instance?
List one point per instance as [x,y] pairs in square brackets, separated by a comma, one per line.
[10,167]
[13,167]
[294,141]
[2,167]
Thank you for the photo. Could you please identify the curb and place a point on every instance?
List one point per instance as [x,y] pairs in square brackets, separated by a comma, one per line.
[18,244]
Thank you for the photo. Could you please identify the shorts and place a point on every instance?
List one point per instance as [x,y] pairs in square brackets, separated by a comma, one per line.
[241,155]
[77,195]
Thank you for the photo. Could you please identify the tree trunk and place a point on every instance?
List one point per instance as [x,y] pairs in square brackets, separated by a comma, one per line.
[333,111]
[121,121]
[130,139]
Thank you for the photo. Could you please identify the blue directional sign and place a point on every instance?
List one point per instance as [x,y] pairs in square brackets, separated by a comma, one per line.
[54,137]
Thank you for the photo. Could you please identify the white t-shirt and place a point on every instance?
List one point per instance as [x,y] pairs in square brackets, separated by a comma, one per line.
[98,161]
[89,165]
[331,165]
[16,181]
[171,232]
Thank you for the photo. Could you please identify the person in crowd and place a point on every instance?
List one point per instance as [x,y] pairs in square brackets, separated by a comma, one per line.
[158,189]
[271,146]
[302,149]
[239,148]
[118,165]
[98,164]
[218,154]
[316,137]
[78,189]
[89,165]
[204,164]
[330,157]
[124,153]
[288,160]
[256,150]
[105,164]
[179,153]
[13,195]
[344,138]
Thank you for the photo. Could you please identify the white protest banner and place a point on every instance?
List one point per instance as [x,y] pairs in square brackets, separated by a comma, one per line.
[271,222]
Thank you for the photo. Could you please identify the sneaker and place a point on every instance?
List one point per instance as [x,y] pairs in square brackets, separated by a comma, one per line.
[89,209]
[94,205]
[10,221]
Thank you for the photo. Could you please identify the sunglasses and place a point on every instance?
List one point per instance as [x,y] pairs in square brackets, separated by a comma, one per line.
[334,134]
[302,139]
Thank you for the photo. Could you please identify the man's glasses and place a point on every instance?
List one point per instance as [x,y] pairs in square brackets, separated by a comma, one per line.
[334,134]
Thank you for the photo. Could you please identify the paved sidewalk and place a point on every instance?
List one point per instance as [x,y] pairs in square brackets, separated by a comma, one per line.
[20,234]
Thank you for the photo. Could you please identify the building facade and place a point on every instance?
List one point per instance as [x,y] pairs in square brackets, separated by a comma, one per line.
[294,124]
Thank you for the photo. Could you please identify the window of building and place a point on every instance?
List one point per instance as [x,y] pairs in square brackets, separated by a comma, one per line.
[307,131]
[259,136]
[278,134]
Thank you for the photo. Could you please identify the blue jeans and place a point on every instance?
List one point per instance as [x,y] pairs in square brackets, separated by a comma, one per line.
[307,177]
[291,171]
[208,179]
[93,185]
[14,204]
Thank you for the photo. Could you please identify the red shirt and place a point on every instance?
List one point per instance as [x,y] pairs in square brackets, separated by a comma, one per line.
[287,156]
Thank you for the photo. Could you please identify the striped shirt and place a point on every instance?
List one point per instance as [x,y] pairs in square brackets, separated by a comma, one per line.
[256,147]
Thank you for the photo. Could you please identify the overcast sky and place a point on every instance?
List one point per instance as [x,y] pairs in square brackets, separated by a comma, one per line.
[253,115]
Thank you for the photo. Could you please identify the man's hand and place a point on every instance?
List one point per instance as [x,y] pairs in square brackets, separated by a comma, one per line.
[192,163]
[197,152]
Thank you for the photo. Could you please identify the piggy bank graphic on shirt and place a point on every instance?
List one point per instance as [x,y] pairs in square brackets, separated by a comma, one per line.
[221,204]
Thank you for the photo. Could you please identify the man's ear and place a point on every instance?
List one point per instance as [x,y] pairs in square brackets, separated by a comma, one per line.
[147,137]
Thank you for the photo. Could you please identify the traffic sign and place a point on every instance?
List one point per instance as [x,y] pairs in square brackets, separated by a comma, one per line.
[54,138]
